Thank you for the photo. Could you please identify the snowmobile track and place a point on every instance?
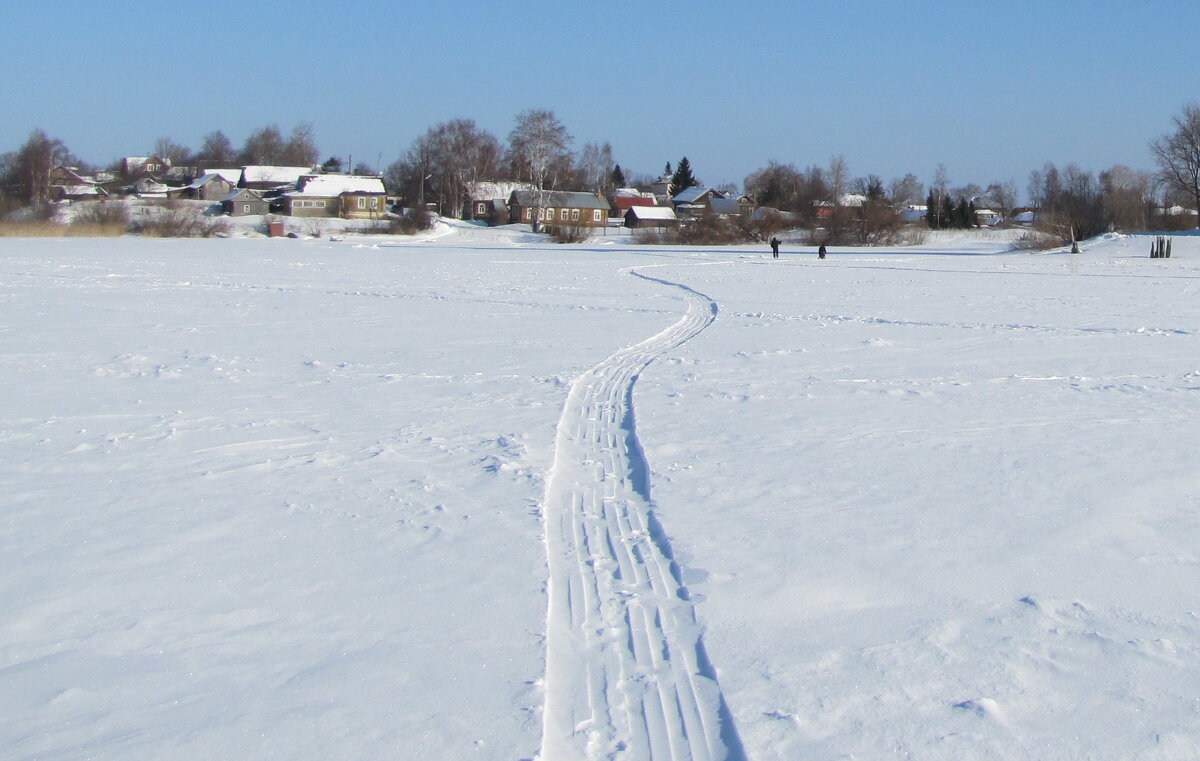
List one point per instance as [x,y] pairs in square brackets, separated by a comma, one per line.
[626,673]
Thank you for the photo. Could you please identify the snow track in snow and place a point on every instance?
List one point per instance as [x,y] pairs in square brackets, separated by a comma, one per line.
[626,672]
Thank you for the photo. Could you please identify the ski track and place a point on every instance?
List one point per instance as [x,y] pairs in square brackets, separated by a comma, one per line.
[626,672]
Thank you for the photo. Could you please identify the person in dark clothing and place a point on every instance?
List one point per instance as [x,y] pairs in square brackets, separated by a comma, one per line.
[821,252]
[775,248]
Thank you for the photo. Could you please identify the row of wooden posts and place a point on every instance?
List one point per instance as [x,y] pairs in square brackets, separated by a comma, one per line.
[1160,248]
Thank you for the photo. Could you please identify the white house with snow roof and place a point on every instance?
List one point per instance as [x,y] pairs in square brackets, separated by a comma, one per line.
[334,195]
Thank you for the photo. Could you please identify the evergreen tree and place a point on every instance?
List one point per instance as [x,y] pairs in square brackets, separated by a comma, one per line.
[960,214]
[683,177]
[668,170]
[931,212]
[618,177]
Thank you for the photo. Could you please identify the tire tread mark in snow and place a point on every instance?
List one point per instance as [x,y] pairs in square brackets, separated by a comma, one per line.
[626,672]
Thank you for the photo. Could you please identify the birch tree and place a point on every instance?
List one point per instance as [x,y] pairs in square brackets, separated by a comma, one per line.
[1178,155]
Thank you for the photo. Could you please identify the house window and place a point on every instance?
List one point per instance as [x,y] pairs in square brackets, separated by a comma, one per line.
[549,214]
[374,203]
[319,204]
[574,215]
[245,208]
[529,214]
[362,202]
[596,215]
[482,209]
[563,215]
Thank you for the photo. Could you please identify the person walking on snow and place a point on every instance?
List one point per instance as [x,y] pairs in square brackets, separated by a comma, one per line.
[821,252]
[774,248]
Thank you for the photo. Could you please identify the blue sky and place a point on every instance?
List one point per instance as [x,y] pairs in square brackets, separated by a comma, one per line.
[991,90]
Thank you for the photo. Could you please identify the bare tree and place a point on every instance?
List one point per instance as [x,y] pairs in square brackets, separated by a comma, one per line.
[537,141]
[775,185]
[467,155]
[938,195]
[27,174]
[448,158]
[1128,197]
[216,151]
[840,217]
[596,167]
[1072,203]
[839,178]
[1004,194]
[906,190]
[173,152]
[1178,154]
[301,147]
[264,146]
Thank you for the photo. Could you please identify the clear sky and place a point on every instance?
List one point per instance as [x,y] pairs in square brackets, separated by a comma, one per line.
[990,90]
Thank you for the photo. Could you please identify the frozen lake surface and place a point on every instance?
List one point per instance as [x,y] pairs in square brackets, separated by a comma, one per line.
[479,496]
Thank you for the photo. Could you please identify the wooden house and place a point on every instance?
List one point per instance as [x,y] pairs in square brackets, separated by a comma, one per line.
[623,199]
[740,206]
[334,195]
[148,187]
[207,187]
[137,167]
[694,202]
[558,208]
[67,184]
[488,201]
[241,202]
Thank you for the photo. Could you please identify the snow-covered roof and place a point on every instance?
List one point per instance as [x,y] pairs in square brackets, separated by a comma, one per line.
[762,212]
[229,175]
[330,185]
[81,190]
[281,175]
[559,198]
[135,163]
[693,194]
[204,179]
[233,194]
[726,206]
[147,186]
[630,193]
[494,191]
[651,212]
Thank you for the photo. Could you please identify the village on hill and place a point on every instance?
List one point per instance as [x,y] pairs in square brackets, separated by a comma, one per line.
[459,171]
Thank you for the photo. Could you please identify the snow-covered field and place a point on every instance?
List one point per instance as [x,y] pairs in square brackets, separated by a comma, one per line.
[478,496]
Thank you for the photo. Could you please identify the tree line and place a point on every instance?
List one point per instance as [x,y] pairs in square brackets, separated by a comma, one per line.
[440,165]
[25,172]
